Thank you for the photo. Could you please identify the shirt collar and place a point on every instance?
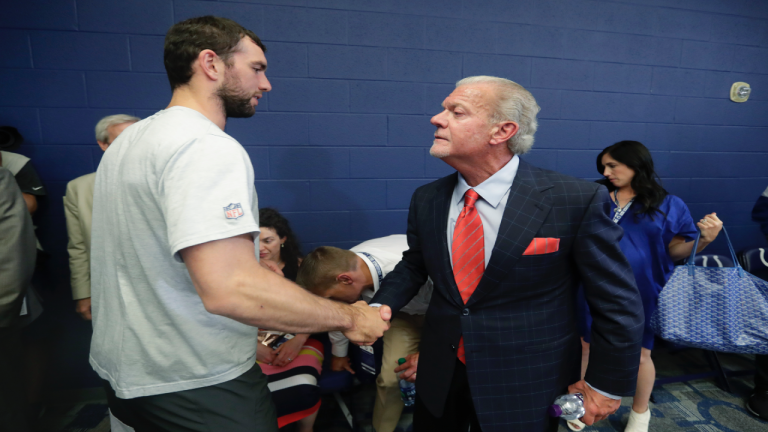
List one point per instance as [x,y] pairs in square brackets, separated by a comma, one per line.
[372,269]
[493,189]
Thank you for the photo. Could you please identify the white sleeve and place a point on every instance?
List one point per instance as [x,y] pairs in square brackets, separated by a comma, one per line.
[206,192]
[339,344]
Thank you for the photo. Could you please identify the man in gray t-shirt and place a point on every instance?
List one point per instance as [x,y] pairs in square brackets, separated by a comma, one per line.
[178,291]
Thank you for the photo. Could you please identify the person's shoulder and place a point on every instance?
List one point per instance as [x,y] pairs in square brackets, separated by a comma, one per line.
[83,182]
[181,127]
[673,202]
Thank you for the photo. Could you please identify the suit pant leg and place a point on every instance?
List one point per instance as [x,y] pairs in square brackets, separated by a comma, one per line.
[13,400]
[459,413]
[400,340]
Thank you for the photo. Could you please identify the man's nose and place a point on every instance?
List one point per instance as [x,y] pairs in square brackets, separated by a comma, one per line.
[438,120]
[265,85]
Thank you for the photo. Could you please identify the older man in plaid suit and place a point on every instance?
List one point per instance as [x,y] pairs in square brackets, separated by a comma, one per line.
[506,245]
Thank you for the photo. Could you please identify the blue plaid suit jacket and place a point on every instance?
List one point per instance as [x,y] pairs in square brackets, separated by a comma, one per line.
[519,326]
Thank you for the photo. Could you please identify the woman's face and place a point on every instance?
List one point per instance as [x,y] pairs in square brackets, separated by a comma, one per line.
[616,172]
[269,244]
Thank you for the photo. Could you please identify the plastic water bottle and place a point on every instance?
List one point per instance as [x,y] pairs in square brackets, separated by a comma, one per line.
[568,406]
[407,389]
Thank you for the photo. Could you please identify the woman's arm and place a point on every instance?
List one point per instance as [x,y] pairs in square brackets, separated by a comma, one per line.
[710,226]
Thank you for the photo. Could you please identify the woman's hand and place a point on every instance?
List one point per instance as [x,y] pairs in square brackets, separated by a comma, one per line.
[289,350]
[265,354]
[710,226]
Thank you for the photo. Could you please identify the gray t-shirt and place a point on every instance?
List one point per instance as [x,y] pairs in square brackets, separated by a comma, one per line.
[168,182]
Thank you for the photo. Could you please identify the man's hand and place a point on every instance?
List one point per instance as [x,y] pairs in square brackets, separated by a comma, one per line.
[369,323]
[597,406]
[341,363]
[83,308]
[409,367]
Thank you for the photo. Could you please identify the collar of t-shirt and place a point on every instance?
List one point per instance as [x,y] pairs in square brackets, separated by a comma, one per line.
[494,192]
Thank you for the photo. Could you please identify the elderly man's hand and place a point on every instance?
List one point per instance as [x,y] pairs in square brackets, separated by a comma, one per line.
[597,406]
[369,323]
[409,368]
[83,308]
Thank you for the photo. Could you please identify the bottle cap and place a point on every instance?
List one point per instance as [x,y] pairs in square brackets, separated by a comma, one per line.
[555,411]
[401,361]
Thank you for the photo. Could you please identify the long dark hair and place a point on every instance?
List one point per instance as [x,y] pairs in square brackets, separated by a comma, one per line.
[290,252]
[645,183]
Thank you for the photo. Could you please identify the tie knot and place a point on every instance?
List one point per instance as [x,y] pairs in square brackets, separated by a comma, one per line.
[470,197]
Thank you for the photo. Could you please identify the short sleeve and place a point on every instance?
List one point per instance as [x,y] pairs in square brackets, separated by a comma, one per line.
[206,193]
[681,222]
[28,180]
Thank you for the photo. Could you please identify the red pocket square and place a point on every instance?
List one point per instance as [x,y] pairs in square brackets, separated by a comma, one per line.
[542,245]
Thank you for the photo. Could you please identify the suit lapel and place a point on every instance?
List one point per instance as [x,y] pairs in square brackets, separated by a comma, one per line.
[527,207]
[440,209]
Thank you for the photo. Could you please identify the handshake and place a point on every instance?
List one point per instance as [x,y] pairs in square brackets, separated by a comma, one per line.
[368,323]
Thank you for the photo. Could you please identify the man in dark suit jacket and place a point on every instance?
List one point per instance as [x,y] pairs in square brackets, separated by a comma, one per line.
[543,234]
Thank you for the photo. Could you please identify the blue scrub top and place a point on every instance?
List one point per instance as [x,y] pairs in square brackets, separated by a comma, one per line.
[645,244]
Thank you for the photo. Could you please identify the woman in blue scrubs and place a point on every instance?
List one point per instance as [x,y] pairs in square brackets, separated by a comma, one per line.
[658,230]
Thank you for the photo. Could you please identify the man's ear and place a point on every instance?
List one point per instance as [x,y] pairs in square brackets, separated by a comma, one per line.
[502,132]
[209,64]
[102,145]
[344,278]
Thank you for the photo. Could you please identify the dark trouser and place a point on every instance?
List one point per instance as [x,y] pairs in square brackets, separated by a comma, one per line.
[761,374]
[13,397]
[240,405]
[459,412]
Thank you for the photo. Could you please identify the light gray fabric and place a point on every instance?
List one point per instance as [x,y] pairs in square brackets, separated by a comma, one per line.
[17,249]
[166,184]
[13,162]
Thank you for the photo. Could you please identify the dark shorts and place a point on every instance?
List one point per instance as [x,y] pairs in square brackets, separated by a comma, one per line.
[240,405]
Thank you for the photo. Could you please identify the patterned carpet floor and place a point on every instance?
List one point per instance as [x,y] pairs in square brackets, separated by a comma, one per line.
[691,406]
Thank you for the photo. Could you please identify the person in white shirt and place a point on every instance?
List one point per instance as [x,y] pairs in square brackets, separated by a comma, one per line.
[177,288]
[350,275]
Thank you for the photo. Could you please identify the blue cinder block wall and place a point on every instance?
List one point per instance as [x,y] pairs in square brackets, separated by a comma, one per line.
[342,140]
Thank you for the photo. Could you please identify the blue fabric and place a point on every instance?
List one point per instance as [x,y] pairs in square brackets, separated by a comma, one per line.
[719,309]
[645,245]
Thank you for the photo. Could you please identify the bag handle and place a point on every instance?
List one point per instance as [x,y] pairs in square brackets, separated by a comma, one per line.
[692,258]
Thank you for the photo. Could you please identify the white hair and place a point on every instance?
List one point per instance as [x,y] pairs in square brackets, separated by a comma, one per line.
[513,103]
[102,134]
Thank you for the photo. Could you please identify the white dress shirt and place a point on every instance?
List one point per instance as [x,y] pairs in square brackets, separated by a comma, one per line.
[494,194]
[381,255]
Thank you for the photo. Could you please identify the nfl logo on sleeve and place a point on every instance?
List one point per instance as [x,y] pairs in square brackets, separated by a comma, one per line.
[233,211]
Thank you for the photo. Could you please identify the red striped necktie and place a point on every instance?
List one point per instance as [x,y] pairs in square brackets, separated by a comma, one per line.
[468,253]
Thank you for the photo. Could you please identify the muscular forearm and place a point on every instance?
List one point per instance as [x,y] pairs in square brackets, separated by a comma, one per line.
[232,283]
[264,299]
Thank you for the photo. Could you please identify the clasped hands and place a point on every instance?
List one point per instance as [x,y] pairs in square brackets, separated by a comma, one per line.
[369,323]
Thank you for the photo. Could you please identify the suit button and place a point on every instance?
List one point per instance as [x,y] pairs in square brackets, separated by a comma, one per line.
[465,312]
[453,347]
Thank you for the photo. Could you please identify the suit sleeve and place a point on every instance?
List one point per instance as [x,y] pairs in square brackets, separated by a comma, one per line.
[410,274]
[79,261]
[17,249]
[614,301]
